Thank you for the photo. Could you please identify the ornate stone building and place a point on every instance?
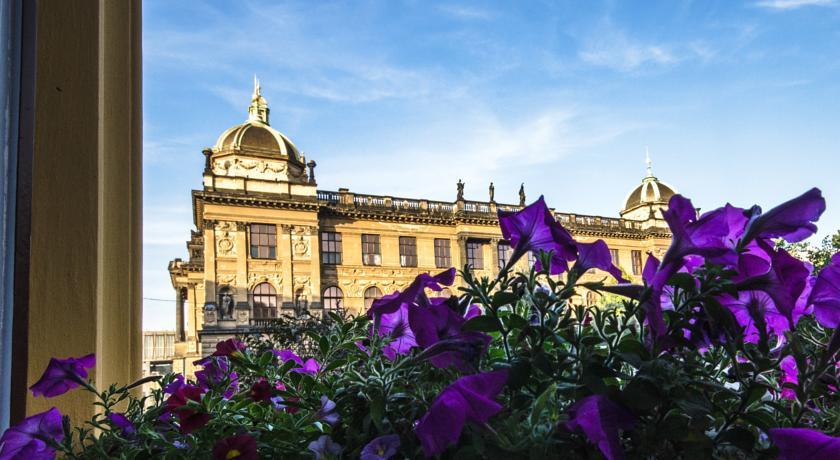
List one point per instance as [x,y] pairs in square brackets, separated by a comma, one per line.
[267,242]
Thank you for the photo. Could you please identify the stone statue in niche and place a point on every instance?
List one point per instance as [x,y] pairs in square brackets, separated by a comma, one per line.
[227,305]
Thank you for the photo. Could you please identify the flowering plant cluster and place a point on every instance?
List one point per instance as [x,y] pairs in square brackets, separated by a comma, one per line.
[728,349]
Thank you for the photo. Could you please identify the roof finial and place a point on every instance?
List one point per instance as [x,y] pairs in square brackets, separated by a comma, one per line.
[648,163]
[256,88]
[258,110]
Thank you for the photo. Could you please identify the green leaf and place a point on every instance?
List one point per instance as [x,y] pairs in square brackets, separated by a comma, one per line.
[377,411]
[484,323]
[503,298]
[540,402]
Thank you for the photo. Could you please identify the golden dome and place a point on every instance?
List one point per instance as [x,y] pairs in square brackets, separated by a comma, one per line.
[651,191]
[255,135]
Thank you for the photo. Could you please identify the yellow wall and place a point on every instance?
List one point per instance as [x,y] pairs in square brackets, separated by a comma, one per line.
[86,195]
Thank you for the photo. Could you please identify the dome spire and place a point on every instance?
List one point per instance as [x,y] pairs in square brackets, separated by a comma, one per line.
[648,163]
[258,110]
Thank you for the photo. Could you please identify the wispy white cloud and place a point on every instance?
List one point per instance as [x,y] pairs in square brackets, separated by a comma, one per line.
[465,12]
[477,145]
[612,48]
[794,4]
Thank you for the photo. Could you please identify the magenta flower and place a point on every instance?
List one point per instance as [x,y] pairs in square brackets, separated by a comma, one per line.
[324,446]
[62,375]
[825,297]
[26,440]
[600,419]
[229,348]
[241,447]
[790,374]
[122,422]
[381,448]
[792,220]
[596,255]
[391,303]
[534,229]
[190,419]
[468,399]
[286,355]
[310,366]
[799,443]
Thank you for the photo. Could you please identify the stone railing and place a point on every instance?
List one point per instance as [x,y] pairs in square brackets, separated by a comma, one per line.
[345,197]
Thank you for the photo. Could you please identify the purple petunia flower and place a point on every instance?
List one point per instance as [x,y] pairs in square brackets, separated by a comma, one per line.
[825,297]
[596,255]
[230,348]
[174,385]
[799,443]
[241,447]
[217,371]
[324,446]
[26,439]
[391,303]
[468,399]
[122,422]
[703,236]
[381,448]
[790,374]
[62,375]
[788,283]
[600,419]
[534,229]
[792,220]
[327,412]
[437,329]
[396,326]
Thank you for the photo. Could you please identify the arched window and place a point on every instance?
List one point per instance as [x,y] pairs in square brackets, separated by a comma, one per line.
[333,298]
[264,299]
[372,293]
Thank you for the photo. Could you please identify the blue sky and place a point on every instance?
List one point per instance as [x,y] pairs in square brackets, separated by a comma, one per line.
[737,101]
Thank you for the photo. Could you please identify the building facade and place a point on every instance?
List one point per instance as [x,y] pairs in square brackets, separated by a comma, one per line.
[268,242]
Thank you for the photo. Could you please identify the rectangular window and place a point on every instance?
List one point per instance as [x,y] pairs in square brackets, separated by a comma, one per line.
[331,248]
[614,257]
[408,251]
[263,241]
[475,254]
[443,259]
[370,250]
[637,262]
[503,250]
